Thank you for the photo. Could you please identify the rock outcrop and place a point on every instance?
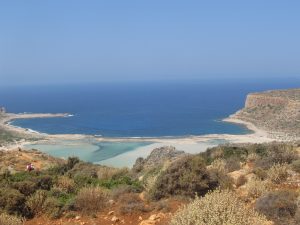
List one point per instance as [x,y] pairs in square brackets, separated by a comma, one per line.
[157,157]
[277,112]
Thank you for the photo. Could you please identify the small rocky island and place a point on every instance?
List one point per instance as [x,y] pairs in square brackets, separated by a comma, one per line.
[277,112]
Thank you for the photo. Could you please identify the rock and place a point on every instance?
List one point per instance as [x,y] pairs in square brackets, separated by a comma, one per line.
[111,213]
[275,112]
[147,222]
[111,202]
[77,217]
[140,218]
[156,157]
[115,219]
[153,219]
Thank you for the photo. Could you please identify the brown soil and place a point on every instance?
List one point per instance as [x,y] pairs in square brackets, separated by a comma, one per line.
[105,217]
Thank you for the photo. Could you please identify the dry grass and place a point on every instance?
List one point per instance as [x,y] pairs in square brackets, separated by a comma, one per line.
[6,219]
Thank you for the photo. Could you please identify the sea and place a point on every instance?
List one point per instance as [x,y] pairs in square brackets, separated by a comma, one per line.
[160,109]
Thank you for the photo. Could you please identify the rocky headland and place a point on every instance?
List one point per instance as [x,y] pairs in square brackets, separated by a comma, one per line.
[277,112]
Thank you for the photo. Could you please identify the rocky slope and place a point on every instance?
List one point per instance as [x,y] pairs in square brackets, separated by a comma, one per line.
[277,112]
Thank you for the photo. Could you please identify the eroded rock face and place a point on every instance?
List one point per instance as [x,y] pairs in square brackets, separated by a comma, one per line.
[275,111]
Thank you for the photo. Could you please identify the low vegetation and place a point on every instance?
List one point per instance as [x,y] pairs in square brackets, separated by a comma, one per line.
[218,208]
[65,188]
[229,184]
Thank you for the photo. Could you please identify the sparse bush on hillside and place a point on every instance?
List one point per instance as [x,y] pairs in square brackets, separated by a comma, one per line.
[233,164]
[25,187]
[6,219]
[256,188]
[252,157]
[36,202]
[279,206]
[65,184]
[217,208]
[225,152]
[185,177]
[131,203]
[296,165]
[90,200]
[52,207]
[278,173]
[219,165]
[12,201]
[278,153]
[260,173]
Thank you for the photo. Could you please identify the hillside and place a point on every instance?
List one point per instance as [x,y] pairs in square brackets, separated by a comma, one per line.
[277,112]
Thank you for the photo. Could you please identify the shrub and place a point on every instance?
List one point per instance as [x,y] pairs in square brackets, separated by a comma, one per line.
[219,165]
[131,203]
[91,199]
[121,190]
[278,173]
[25,187]
[224,181]
[52,207]
[217,208]
[6,219]
[252,157]
[277,153]
[279,206]
[256,188]
[12,201]
[233,164]
[296,165]
[36,202]
[186,176]
[44,182]
[260,173]
[111,173]
[282,153]
[65,184]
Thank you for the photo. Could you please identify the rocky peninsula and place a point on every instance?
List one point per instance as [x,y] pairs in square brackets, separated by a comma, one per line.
[277,112]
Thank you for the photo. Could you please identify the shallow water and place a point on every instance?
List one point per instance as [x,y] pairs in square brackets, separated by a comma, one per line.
[117,154]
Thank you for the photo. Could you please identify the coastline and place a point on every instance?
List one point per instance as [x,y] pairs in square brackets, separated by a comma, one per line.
[258,135]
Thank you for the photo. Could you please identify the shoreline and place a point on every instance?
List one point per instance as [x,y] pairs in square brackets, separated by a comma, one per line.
[258,135]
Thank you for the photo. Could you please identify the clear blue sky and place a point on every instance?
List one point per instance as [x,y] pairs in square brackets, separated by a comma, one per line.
[91,41]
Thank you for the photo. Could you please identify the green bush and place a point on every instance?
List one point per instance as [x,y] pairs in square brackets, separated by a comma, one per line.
[186,177]
[217,208]
[12,201]
[52,207]
[279,206]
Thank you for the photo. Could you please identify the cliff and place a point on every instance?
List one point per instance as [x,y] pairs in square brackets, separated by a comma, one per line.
[277,112]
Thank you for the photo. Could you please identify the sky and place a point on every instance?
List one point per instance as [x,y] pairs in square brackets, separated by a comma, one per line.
[71,41]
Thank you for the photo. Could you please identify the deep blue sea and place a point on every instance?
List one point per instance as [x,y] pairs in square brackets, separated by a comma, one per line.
[137,109]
